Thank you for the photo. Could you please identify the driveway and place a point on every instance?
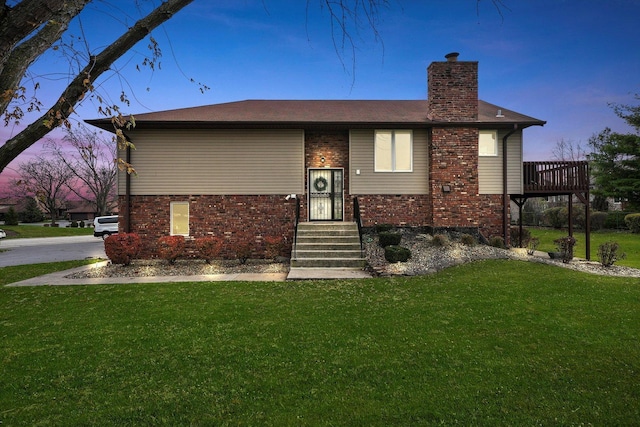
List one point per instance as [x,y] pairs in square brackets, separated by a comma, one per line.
[49,249]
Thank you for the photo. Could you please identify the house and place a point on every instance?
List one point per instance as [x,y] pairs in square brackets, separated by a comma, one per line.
[83,211]
[447,162]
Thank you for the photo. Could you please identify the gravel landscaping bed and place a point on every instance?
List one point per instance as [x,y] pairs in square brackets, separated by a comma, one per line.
[147,268]
[426,258]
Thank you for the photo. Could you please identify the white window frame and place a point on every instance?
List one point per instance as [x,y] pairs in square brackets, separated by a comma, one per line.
[484,148]
[394,151]
[171,230]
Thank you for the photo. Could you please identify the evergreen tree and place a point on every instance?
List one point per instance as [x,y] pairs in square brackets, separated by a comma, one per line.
[32,212]
[11,217]
[616,159]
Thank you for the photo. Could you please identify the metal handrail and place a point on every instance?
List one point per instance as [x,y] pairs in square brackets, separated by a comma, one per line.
[295,229]
[358,220]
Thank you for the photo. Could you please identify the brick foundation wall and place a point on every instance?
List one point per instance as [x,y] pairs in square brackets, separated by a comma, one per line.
[399,210]
[490,215]
[220,216]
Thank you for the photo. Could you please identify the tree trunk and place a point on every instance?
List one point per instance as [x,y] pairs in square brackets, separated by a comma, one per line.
[82,83]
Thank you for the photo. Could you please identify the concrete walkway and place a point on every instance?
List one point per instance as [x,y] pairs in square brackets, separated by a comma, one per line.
[316,273]
[59,279]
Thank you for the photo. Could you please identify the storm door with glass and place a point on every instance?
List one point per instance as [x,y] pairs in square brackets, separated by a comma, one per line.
[326,188]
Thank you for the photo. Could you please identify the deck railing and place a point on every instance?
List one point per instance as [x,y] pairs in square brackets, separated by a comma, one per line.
[556,177]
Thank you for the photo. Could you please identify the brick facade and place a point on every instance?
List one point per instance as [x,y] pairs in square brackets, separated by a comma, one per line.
[404,210]
[220,216]
[453,177]
[489,213]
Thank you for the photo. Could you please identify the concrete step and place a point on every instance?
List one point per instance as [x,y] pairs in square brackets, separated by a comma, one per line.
[342,240]
[328,262]
[304,253]
[330,246]
[327,245]
[327,226]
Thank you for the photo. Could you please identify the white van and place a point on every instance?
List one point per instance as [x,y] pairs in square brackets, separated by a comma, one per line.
[105,226]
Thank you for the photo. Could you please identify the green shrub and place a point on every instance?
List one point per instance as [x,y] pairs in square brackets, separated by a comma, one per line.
[387,238]
[73,224]
[554,217]
[598,220]
[440,240]
[383,227]
[395,253]
[497,242]
[633,222]
[608,253]
[615,220]
[565,246]
[579,220]
[468,239]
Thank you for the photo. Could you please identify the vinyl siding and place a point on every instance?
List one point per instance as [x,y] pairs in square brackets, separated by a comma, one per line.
[370,182]
[216,162]
[490,168]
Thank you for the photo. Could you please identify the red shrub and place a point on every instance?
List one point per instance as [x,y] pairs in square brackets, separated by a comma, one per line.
[274,246]
[122,248]
[209,247]
[243,247]
[170,247]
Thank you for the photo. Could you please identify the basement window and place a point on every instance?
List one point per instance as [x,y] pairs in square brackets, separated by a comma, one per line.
[488,143]
[393,151]
[179,218]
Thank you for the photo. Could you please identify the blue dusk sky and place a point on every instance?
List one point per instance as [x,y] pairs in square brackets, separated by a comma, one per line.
[562,61]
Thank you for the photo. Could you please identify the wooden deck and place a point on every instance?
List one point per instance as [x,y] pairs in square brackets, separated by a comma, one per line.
[555,178]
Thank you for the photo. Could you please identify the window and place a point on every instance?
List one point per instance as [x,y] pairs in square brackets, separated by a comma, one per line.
[179,218]
[393,151]
[488,143]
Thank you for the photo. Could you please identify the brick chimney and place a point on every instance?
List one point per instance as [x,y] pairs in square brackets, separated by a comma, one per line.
[452,87]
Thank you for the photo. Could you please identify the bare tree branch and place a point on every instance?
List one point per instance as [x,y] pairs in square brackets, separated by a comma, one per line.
[16,63]
[59,113]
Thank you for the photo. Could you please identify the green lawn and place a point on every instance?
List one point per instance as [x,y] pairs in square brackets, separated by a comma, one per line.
[25,231]
[23,272]
[629,243]
[490,343]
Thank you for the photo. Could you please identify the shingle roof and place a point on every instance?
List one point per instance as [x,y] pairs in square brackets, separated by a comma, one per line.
[299,113]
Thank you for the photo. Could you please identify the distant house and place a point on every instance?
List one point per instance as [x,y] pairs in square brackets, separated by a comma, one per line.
[83,211]
[448,162]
